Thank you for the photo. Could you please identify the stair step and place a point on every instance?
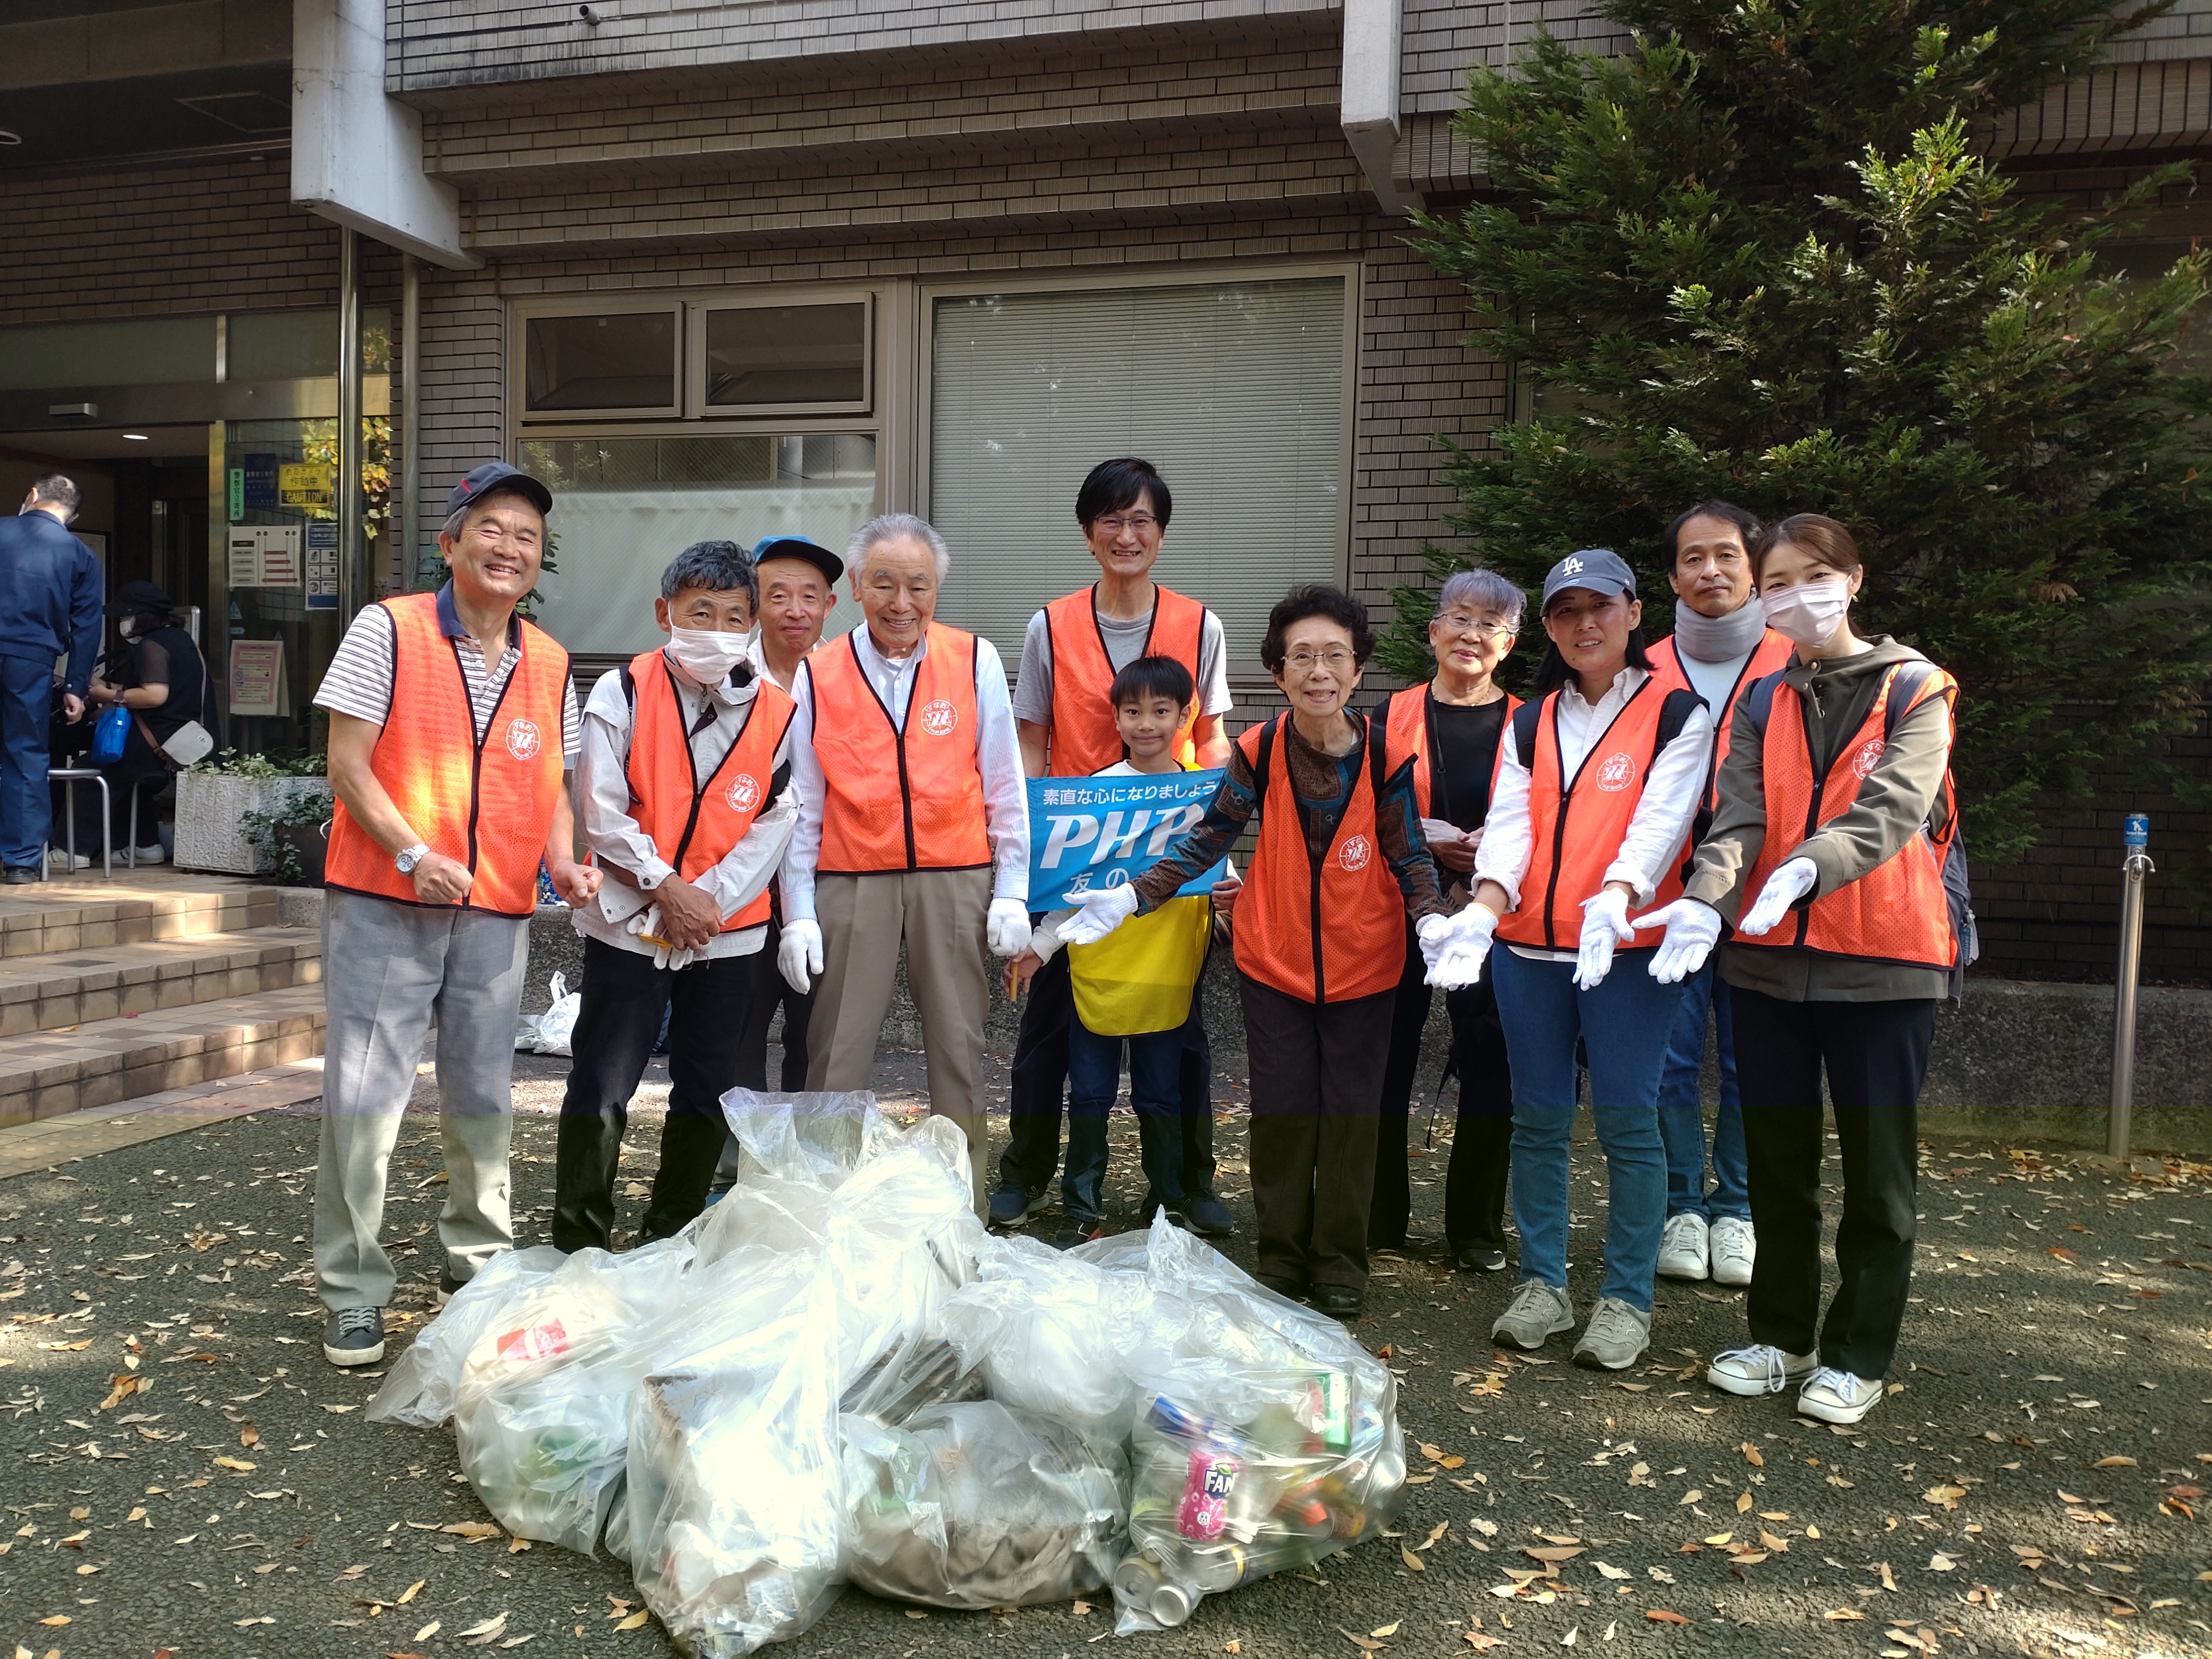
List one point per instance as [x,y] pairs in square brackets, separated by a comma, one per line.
[103,1061]
[49,992]
[42,918]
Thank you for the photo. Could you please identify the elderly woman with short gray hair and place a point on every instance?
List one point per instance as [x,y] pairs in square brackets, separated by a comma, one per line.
[1450,729]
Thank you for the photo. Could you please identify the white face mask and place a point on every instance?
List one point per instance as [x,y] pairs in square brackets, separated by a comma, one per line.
[128,628]
[706,655]
[1810,613]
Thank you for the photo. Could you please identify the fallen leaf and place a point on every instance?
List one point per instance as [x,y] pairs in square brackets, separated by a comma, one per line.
[238,1463]
[2113,1463]
[410,1592]
[1769,1541]
[1387,1631]
[472,1529]
[1692,1496]
[1664,1616]
[1945,1496]
[1743,1504]
[1606,1570]
[487,1631]
[1412,1560]
[1840,1614]
[1719,1539]
[429,1630]
[634,1621]
[1360,1641]
[1481,1642]
[1552,1552]
[1572,1636]
[1754,1456]
[1940,1562]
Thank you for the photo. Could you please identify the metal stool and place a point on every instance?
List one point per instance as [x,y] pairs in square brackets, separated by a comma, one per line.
[68,777]
[159,779]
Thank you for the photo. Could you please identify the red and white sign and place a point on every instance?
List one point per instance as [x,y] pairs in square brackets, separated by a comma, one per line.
[534,1342]
[939,718]
[1616,772]
[522,739]
[744,792]
[1355,853]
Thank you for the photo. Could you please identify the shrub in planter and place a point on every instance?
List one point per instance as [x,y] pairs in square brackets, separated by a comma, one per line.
[220,803]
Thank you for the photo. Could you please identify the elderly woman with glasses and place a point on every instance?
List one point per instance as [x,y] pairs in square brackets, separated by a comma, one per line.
[1449,728]
[1319,931]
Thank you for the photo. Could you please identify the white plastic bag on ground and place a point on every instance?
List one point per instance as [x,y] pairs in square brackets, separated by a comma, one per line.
[558,1023]
[424,1380]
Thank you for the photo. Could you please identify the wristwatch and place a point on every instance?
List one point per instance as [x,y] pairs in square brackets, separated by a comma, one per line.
[410,857]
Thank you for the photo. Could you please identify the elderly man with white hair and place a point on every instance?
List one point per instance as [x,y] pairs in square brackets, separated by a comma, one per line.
[913,825]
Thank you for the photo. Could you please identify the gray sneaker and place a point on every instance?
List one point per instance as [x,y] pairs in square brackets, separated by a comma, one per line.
[1615,1337]
[1537,1312]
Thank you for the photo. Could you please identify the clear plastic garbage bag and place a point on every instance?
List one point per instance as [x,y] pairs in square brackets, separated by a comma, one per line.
[419,1390]
[731,1505]
[976,1504]
[558,1023]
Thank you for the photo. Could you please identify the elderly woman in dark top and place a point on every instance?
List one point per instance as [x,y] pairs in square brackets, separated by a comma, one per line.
[162,679]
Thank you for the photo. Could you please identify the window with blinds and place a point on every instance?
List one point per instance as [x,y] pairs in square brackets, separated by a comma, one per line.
[1235,390]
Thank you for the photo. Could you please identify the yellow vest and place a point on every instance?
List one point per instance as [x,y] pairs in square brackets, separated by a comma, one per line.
[1139,977]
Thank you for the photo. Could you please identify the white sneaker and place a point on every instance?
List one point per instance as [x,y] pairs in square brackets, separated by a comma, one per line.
[1835,1396]
[1734,1247]
[153,854]
[57,858]
[1759,1368]
[1682,1252]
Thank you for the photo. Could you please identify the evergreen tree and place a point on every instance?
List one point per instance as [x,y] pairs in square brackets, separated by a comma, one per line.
[1761,255]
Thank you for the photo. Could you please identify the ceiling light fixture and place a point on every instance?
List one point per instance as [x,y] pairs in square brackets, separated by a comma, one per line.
[8,137]
[137,437]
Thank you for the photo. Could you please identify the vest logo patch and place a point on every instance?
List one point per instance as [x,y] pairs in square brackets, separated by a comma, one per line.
[1868,757]
[522,739]
[939,718]
[1616,772]
[744,792]
[1355,853]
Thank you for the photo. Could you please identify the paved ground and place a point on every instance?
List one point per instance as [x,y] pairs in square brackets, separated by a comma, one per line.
[2031,1487]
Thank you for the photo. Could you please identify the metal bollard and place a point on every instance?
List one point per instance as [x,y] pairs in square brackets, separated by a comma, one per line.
[2136,838]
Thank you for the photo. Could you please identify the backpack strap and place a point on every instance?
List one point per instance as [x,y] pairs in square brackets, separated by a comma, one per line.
[629,690]
[1265,760]
[1673,715]
[1758,702]
[1378,758]
[1905,683]
[1524,732]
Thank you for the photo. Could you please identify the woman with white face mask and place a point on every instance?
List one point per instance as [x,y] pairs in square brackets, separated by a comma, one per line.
[1834,822]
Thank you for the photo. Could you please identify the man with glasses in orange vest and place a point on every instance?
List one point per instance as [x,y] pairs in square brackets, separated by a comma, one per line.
[1073,649]
[452,722]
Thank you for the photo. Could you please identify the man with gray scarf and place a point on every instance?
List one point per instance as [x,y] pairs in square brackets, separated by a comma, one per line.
[1720,647]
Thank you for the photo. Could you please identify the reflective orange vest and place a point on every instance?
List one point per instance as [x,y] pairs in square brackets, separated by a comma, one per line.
[1898,912]
[693,824]
[1770,656]
[910,800]
[1409,735]
[1327,933]
[1084,739]
[1576,825]
[490,804]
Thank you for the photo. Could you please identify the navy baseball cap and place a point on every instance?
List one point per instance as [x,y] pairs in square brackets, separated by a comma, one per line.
[495,475]
[798,547]
[1598,569]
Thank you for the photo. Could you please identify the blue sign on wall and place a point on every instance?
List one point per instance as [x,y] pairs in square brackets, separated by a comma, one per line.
[1086,833]
[260,477]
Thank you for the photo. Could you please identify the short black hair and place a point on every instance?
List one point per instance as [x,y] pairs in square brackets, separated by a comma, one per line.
[1746,524]
[1114,487]
[1153,677]
[718,567]
[1316,600]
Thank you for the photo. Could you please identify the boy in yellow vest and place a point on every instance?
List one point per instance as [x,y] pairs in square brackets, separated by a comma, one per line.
[1135,988]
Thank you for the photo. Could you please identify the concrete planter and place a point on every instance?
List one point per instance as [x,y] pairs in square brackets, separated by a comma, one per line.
[211,809]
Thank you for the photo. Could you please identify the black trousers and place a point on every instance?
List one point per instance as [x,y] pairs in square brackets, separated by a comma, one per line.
[771,991]
[1875,1055]
[623,995]
[1038,1087]
[1482,1133]
[139,761]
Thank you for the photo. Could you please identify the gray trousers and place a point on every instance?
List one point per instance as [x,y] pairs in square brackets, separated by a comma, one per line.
[388,968]
[939,914]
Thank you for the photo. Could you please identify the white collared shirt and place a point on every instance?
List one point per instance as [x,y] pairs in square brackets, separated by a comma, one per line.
[1656,829]
[998,754]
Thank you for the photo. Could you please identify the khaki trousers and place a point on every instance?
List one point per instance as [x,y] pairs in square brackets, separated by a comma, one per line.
[939,915]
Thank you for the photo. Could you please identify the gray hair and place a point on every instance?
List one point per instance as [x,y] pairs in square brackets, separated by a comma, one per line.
[458,520]
[891,527]
[718,567]
[1483,590]
[59,491]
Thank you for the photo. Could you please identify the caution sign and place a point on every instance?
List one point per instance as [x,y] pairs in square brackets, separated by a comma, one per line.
[303,484]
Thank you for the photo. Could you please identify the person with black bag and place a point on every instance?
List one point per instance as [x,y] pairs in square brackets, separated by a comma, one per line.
[161,680]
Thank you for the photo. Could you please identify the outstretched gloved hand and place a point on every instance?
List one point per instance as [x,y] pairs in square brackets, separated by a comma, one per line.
[1104,908]
[1007,927]
[1692,930]
[1783,888]
[1605,925]
[800,955]
[1455,947]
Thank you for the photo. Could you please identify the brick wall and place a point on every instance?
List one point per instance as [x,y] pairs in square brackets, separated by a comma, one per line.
[1441,39]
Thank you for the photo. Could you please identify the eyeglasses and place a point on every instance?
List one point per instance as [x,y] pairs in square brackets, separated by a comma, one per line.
[1467,627]
[1114,525]
[1337,661]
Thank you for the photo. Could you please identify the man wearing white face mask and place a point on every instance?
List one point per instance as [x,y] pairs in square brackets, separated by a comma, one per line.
[683,783]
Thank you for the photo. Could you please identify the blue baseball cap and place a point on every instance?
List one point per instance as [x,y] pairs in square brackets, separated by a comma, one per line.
[1598,569]
[495,475]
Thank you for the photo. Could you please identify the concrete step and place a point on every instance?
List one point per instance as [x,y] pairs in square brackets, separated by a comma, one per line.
[43,918]
[102,1062]
[49,992]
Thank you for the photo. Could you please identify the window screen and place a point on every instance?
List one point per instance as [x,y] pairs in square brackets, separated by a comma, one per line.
[622,361]
[778,354]
[1234,390]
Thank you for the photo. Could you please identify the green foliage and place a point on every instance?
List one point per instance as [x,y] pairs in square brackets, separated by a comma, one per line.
[232,764]
[309,807]
[1762,255]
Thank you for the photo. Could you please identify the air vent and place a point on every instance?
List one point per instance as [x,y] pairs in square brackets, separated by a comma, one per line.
[254,113]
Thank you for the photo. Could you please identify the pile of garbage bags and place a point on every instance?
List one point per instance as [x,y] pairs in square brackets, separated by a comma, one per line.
[836,1375]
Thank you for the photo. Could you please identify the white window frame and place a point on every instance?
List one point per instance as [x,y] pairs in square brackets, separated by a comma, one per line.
[522,313]
[773,297]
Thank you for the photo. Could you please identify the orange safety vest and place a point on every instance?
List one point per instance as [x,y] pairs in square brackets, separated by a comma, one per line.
[1770,656]
[1576,825]
[694,823]
[487,804]
[1084,739]
[899,799]
[1328,932]
[1898,911]
[1410,737]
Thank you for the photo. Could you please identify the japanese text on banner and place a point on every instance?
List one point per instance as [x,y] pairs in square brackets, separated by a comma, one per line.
[1087,833]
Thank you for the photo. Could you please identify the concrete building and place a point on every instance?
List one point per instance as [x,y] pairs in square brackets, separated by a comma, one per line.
[775,267]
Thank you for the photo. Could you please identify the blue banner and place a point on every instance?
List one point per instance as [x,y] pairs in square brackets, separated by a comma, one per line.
[1087,833]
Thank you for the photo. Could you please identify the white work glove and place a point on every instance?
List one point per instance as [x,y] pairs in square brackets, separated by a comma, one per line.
[1455,947]
[1692,930]
[645,923]
[1605,925]
[1784,889]
[800,955]
[1104,908]
[673,957]
[1007,927]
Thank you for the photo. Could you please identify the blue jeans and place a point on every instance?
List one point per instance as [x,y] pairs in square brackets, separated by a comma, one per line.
[1094,1082]
[27,695]
[1681,1113]
[1626,1021]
